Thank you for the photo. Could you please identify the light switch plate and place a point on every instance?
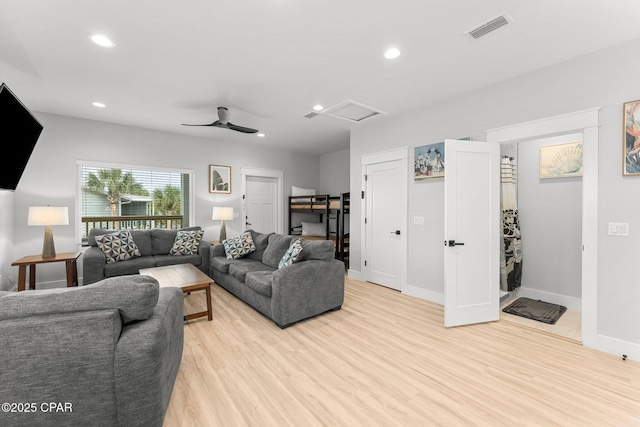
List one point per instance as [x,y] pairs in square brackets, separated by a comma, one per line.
[418,220]
[618,229]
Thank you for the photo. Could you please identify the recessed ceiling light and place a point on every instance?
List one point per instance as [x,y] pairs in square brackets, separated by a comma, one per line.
[318,107]
[261,135]
[101,40]
[392,53]
[98,104]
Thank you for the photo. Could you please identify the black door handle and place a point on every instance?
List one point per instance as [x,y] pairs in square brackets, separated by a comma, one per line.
[453,243]
[397,232]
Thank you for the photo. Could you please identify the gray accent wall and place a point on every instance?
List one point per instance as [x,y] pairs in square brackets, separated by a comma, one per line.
[598,80]
[550,212]
[334,173]
[50,175]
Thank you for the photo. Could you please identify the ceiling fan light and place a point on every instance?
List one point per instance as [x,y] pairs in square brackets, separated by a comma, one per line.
[392,53]
[101,40]
[260,135]
[318,107]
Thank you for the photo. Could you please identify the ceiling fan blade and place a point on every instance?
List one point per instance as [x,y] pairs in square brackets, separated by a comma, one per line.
[241,128]
[216,124]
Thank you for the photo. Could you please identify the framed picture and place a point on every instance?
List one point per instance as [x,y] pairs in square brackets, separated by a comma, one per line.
[561,160]
[219,179]
[428,161]
[631,138]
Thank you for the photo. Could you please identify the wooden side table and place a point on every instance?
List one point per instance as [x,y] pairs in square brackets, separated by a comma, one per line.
[70,258]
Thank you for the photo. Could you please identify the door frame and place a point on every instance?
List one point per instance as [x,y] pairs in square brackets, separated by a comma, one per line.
[265,173]
[401,154]
[586,122]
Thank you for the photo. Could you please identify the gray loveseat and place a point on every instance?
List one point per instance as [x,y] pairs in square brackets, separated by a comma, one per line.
[105,354]
[154,246]
[312,285]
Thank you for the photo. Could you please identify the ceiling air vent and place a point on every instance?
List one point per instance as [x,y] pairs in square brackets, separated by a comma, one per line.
[491,26]
[353,111]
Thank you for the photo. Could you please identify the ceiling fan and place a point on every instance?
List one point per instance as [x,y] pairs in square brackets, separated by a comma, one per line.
[223,122]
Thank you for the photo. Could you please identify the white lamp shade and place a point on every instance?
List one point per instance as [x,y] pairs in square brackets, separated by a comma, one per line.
[222,213]
[48,215]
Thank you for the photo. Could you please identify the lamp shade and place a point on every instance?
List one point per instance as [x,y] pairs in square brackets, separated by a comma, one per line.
[222,213]
[48,215]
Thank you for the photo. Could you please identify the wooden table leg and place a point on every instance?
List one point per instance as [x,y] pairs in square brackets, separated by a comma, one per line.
[22,273]
[32,276]
[209,314]
[72,274]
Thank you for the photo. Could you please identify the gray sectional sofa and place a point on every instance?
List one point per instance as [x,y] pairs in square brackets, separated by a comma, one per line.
[105,354]
[312,285]
[154,245]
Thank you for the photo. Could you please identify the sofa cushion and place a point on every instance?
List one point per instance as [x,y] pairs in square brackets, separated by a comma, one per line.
[130,266]
[278,245]
[261,240]
[317,249]
[238,247]
[291,255]
[164,260]
[162,239]
[187,242]
[239,268]
[133,296]
[221,263]
[118,246]
[260,281]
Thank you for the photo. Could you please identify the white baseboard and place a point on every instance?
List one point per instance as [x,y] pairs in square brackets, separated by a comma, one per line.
[567,301]
[354,274]
[617,347]
[422,293]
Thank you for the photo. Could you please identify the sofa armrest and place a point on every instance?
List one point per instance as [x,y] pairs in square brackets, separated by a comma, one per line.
[217,250]
[61,357]
[93,263]
[148,356]
[305,289]
[204,250]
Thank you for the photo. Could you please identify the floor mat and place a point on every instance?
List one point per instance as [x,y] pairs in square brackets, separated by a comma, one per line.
[541,311]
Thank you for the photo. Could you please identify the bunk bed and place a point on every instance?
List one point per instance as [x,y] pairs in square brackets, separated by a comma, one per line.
[331,222]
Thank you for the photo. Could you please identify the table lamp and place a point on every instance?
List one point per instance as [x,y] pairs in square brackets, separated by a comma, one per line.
[222,213]
[48,216]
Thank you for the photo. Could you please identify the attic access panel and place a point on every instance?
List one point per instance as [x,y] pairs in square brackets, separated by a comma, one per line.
[353,111]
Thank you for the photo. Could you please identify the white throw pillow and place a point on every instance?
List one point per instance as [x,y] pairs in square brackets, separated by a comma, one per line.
[299,191]
[313,229]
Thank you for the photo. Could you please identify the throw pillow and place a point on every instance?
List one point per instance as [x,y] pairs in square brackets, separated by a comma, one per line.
[292,254]
[187,242]
[118,246]
[237,247]
[313,229]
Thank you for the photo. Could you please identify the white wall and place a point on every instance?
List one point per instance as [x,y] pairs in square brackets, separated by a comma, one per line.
[49,178]
[334,173]
[8,277]
[597,80]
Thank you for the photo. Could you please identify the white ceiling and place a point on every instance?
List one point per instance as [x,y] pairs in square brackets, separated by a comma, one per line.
[270,61]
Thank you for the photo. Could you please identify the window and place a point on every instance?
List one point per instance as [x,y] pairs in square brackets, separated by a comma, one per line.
[118,197]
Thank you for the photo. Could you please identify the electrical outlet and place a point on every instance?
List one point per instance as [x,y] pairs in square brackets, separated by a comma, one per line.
[618,229]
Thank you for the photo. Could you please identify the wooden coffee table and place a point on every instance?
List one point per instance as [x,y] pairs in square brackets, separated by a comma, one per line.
[187,277]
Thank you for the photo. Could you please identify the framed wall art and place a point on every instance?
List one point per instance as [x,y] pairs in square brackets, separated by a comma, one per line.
[428,161]
[219,179]
[631,138]
[561,160]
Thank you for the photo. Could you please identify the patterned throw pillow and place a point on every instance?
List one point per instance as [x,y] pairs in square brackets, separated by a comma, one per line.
[292,254]
[237,247]
[118,246]
[187,242]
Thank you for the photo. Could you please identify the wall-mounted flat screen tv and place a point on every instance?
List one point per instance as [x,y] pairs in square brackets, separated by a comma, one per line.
[20,131]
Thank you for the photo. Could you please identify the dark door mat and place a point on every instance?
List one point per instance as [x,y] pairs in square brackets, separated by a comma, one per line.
[537,310]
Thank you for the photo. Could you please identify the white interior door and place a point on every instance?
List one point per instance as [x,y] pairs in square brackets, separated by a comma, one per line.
[472,232]
[384,223]
[260,203]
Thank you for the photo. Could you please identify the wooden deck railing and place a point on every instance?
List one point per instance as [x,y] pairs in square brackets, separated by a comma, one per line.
[135,222]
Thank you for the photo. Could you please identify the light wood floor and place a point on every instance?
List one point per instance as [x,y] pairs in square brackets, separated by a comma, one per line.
[386,359]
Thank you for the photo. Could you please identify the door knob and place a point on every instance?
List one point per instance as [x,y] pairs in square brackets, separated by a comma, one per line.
[397,232]
[453,243]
